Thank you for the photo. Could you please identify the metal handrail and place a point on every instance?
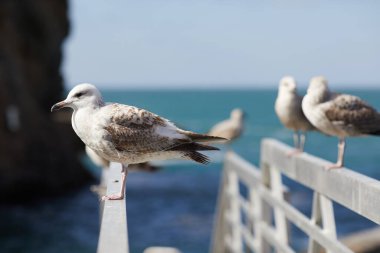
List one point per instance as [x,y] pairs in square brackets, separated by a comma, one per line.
[113,235]
[266,212]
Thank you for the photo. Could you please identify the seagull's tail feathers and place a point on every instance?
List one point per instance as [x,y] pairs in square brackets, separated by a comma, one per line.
[203,137]
[190,151]
[198,157]
[371,129]
[192,146]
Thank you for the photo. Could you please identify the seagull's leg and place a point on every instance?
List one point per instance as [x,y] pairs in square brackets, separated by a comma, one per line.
[124,173]
[297,144]
[302,140]
[296,139]
[341,148]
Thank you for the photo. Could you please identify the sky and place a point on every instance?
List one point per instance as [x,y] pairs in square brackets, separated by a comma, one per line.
[222,43]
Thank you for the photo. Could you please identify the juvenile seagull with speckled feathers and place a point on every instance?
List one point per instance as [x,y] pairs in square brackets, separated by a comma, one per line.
[340,115]
[129,135]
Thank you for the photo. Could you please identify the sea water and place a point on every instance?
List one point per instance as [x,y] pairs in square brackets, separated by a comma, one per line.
[175,206]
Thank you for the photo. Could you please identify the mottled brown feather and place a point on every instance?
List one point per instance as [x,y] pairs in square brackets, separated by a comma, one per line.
[354,115]
[133,130]
[125,115]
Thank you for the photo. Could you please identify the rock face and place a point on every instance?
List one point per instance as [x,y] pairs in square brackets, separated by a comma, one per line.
[37,155]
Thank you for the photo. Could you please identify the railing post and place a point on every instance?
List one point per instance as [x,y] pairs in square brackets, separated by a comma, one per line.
[323,216]
[279,216]
[218,244]
[265,214]
[234,211]
[255,207]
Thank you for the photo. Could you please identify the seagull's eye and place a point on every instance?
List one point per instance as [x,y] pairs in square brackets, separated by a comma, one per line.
[79,94]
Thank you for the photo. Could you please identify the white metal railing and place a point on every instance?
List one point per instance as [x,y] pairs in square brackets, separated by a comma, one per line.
[113,235]
[258,220]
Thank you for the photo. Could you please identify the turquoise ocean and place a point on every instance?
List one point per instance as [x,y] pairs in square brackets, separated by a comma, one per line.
[175,206]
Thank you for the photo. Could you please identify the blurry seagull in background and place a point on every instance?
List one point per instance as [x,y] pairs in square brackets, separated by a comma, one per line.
[339,115]
[103,163]
[288,107]
[129,135]
[230,128]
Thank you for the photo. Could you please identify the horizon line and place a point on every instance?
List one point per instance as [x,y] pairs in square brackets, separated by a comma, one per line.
[212,86]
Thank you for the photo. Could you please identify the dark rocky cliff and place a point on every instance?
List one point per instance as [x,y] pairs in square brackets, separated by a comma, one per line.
[37,156]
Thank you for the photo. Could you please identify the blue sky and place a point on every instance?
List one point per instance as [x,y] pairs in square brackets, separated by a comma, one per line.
[222,43]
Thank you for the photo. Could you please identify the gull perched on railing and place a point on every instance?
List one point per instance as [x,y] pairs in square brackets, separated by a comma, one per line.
[288,107]
[129,135]
[231,128]
[340,115]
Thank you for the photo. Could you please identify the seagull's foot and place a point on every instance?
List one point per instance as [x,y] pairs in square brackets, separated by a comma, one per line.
[113,197]
[334,166]
[294,152]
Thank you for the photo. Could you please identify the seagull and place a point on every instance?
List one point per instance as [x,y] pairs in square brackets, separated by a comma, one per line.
[339,115]
[230,128]
[96,159]
[288,107]
[129,135]
[103,163]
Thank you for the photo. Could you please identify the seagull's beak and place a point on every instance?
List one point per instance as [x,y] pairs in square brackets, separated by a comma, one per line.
[59,105]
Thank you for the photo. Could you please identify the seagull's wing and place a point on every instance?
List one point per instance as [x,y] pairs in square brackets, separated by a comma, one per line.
[139,131]
[305,123]
[353,114]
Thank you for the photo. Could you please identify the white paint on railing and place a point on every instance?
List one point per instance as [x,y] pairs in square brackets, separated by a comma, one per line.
[113,228]
[266,200]
[161,250]
[349,188]
[322,215]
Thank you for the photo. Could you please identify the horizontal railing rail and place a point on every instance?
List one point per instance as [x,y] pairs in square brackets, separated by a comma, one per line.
[113,235]
[258,220]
